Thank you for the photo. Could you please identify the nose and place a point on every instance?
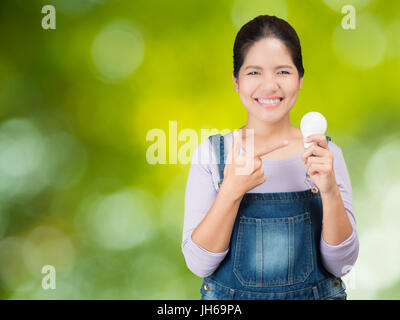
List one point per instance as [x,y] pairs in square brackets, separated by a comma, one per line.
[269,84]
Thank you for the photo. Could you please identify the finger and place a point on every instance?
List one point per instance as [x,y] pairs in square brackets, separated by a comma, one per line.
[311,151]
[268,149]
[244,165]
[320,139]
[317,168]
[257,162]
[258,174]
[315,160]
[262,178]
[314,151]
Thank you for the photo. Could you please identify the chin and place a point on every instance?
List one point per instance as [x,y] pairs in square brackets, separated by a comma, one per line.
[269,118]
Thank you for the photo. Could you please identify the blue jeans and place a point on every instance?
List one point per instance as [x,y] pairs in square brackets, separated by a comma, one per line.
[274,248]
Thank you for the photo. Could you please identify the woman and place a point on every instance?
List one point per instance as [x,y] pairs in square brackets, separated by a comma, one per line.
[264,234]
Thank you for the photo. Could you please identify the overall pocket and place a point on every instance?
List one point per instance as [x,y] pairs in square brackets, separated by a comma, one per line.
[338,296]
[273,251]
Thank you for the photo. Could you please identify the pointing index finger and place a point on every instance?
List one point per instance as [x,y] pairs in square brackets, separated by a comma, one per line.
[268,149]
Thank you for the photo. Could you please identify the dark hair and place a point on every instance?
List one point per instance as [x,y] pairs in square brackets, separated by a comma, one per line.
[265,26]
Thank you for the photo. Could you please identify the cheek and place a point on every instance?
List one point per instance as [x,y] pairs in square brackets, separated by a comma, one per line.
[245,92]
[293,96]
[245,88]
[292,87]
[292,91]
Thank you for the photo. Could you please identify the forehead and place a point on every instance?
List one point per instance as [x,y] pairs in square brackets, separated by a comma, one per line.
[268,51]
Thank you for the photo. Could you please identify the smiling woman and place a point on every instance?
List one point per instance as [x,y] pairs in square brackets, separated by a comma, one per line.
[268,72]
[251,237]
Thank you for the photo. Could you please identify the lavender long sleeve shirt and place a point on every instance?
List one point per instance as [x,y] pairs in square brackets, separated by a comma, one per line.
[285,175]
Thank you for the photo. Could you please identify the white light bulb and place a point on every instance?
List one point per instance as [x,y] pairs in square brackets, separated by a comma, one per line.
[312,123]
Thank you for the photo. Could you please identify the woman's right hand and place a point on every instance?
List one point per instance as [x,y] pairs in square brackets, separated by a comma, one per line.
[244,172]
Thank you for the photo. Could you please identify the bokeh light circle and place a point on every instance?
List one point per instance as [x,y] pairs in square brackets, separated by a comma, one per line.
[390,217]
[363,47]
[66,160]
[393,40]
[118,221]
[381,172]
[118,50]
[22,159]
[21,147]
[379,258]
[46,245]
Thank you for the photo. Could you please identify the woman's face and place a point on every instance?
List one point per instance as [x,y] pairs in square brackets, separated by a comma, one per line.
[268,71]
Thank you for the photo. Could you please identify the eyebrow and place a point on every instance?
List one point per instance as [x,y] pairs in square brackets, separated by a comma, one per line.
[278,67]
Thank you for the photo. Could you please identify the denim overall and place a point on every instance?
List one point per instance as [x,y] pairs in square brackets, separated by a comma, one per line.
[274,249]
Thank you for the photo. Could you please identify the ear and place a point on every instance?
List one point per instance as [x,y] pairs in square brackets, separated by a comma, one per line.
[301,82]
[235,83]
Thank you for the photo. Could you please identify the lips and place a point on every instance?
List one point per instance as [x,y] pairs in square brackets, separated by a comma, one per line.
[270,98]
[270,102]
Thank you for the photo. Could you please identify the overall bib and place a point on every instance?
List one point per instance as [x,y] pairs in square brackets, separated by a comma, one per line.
[274,248]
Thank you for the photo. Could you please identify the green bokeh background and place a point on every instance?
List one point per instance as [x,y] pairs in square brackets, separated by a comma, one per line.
[77,102]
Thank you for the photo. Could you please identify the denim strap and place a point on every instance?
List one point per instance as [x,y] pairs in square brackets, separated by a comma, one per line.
[217,142]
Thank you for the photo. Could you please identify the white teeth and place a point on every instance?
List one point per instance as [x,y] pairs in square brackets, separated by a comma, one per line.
[269,101]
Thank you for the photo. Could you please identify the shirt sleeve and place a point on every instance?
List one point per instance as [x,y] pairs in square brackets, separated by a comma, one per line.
[200,194]
[339,259]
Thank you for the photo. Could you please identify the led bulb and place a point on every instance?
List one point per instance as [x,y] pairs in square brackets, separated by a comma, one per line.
[312,123]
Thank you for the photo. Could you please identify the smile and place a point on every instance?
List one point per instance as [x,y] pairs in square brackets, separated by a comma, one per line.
[269,103]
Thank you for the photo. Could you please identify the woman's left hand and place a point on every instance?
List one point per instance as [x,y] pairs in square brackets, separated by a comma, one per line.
[319,161]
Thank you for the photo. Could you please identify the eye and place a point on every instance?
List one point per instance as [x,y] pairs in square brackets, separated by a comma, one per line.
[252,72]
[284,71]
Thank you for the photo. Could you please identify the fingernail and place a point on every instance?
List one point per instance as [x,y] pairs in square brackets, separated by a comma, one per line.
[285,141]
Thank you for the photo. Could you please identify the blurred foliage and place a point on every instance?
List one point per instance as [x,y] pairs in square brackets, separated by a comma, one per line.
[76,103]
